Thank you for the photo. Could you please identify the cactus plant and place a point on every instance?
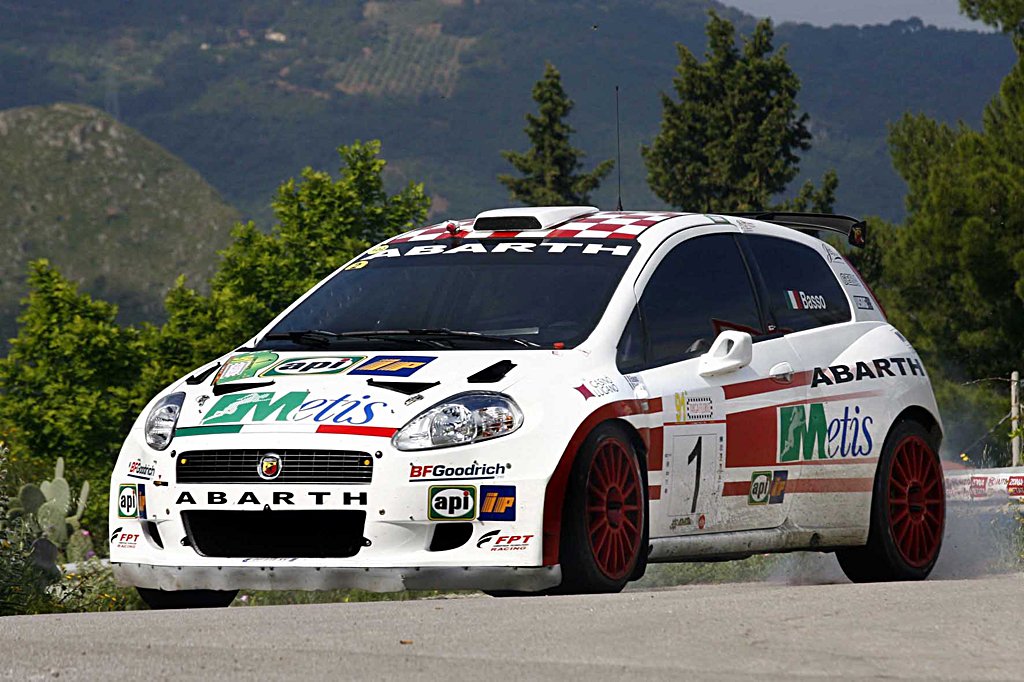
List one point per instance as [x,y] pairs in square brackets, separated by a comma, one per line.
[44,510]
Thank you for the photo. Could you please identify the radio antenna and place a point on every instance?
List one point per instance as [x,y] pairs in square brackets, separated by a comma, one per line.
[618,149]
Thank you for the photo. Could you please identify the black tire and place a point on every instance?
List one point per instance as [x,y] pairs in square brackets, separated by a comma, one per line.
[186,599]
[908,510]
[587,565]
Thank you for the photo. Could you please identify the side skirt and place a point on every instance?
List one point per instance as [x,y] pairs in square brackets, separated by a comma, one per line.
[741,544]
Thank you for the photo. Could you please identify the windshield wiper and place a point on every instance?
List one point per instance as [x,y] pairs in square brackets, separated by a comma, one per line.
[320,338]
[455,333]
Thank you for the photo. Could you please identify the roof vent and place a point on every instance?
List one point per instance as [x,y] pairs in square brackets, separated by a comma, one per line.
[530,218]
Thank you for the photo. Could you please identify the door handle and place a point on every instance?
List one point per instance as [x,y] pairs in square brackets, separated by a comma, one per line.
[782,373]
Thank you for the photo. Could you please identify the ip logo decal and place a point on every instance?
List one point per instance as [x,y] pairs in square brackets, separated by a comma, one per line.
[497,503]
[392,365]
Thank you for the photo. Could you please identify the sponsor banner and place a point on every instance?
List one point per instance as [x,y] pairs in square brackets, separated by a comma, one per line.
[498,541]
[497,503]
[806,433]
[273,498]
[597,388]
[879,368]
[468,472]
[392,365]
[451,502]
[305,366]
[244,366]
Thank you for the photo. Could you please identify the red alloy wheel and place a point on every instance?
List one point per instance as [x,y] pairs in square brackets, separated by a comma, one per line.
[614,509]
[916,501]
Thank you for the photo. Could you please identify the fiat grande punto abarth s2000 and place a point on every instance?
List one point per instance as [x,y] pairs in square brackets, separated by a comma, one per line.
[543,399]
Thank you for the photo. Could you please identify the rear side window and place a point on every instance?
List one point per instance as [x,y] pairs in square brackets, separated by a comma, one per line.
[699,290]
[802,291]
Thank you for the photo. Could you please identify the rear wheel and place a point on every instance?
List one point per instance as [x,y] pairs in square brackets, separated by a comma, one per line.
[605,514]
[908,512]
[186,599]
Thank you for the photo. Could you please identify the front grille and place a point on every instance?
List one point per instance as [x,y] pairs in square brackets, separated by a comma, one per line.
[275,534]
[297,466]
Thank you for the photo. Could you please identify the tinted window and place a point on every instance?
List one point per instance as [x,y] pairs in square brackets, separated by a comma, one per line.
[550,292]
[699,290]
[629,355]
[802,291]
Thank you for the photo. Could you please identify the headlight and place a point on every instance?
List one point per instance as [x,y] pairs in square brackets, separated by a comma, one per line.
[461,419]
[162,419]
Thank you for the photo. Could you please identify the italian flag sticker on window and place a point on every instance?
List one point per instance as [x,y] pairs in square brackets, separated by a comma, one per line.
[793,299]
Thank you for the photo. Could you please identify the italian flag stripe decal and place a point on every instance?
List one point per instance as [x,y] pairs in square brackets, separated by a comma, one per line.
[793,298]
[383,431]
[207,430]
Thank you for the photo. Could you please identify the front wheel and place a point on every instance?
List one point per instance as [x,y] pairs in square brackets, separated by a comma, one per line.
[605,514]
[908,512]
[186,599]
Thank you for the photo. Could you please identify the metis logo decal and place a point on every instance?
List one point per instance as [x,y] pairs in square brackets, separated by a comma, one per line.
[317,365]
[798,300]
[451,503]
[270,466]
[293,406]
[496,542]
[805,433]
[468,472]
[392,365]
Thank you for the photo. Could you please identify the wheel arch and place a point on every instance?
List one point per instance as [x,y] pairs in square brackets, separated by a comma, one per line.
[923,417]
[646,440]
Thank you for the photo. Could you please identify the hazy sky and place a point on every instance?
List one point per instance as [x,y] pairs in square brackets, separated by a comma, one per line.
[942,13]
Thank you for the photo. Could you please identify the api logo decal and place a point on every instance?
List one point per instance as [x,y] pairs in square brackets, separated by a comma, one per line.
[319,365]
[131,501]
[451,503]
[497,503]
[392,366]
[768,487]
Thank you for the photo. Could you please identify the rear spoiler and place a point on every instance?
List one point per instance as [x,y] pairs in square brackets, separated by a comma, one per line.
[855,231]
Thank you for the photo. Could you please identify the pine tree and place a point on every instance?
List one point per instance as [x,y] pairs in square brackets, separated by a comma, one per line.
[731,141]
[550,168]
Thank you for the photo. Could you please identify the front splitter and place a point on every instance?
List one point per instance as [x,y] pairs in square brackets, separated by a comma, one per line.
[526,579]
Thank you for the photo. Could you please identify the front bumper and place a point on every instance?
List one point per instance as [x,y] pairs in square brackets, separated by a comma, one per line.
[527,579]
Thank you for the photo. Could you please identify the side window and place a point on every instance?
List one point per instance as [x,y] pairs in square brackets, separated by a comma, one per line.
[803,293]
[700,289]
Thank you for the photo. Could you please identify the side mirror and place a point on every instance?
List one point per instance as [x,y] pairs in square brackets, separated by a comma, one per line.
[731,351]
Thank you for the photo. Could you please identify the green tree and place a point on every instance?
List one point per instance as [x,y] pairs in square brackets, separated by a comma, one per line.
[1006,15]
[550,168]
[731,141]
[322,223]
[67,387]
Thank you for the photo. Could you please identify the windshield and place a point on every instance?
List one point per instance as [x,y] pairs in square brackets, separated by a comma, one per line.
[548,293]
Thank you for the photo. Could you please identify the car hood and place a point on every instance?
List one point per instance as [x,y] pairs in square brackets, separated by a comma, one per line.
[368,393]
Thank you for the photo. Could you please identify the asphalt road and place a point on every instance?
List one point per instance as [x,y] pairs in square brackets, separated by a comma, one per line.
[939,629]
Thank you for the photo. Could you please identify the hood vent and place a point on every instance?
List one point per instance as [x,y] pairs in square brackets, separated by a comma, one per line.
[490,375]
[530,218]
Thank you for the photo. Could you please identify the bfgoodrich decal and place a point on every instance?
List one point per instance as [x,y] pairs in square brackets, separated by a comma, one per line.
[465,472]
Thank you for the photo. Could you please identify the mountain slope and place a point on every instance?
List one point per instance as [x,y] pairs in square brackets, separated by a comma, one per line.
[250,92]
[109,207]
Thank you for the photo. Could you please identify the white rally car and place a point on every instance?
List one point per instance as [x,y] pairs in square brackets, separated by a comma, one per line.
[543,399]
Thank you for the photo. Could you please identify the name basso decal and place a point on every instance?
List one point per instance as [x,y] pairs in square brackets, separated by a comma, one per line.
[798,300]
[277,497]
[468,472]
[842,374]
[294,406]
